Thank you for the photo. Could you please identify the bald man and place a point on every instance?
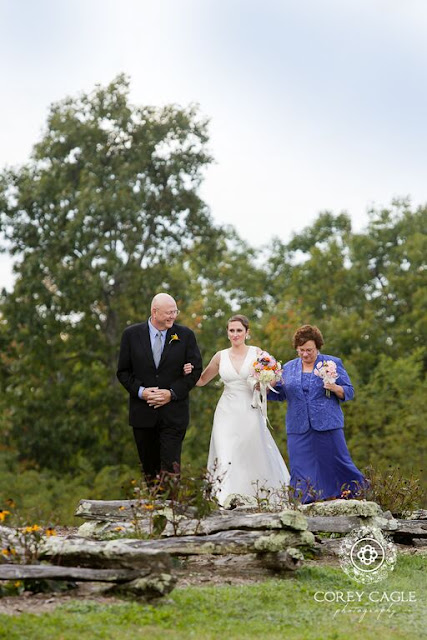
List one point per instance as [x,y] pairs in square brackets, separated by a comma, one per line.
[151,360]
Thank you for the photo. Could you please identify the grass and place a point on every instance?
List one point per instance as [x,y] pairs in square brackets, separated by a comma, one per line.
[276,608]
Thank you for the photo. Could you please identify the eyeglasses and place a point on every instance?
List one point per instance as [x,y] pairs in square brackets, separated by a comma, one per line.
[307,351]
[172,314]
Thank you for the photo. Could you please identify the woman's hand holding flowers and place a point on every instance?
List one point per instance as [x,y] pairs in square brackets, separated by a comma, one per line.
[335,388]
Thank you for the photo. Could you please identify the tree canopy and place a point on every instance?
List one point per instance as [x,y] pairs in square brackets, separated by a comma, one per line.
[106,213]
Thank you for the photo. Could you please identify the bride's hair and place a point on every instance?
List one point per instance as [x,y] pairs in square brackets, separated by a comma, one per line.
[239,318]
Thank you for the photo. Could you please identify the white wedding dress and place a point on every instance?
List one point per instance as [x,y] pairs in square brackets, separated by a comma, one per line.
[242,453]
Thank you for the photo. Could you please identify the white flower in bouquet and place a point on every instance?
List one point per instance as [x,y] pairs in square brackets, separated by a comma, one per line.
[327,370]
[265,370]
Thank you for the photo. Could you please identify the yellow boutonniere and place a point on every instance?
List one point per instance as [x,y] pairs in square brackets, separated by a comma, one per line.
[174,337]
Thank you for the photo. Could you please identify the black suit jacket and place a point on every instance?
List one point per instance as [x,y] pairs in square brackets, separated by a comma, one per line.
[136,368]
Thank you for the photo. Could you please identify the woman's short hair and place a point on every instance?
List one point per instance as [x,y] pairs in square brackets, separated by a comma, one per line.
[305,333]
[239,318]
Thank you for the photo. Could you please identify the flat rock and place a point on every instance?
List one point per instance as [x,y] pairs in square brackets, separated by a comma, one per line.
[136,553]
[361,508]
[344,524]
[111,510]
[419,514]
[223,521]
[234,500]
[282,540]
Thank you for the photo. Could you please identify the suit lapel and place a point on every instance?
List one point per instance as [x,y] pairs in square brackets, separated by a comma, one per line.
[168,343]
[145,339]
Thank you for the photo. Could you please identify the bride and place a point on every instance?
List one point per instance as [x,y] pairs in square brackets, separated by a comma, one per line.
[243,457]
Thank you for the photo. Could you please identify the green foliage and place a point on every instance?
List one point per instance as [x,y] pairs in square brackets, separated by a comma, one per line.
[44,497]
[167,498]
[106,213]
[392,427]
[393,492]
[18,587]
[11,588]
[104,207]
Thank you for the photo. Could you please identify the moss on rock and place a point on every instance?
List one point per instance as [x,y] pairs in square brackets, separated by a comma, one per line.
[361,508]
[283,540]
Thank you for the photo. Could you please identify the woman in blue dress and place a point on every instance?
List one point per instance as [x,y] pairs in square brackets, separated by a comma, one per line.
[320,464]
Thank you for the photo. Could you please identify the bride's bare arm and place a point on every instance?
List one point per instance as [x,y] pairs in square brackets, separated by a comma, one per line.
[210,372]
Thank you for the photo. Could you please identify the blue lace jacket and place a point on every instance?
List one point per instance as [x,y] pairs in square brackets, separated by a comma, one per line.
[315,409]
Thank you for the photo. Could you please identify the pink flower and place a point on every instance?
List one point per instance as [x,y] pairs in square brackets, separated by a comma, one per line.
[327,370]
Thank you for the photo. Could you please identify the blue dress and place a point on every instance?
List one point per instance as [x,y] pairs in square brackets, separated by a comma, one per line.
[320,463]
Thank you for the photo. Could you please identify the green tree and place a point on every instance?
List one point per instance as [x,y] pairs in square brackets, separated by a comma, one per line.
[386,425]
[99,219]
[367,293]
[390,260]
[107,212]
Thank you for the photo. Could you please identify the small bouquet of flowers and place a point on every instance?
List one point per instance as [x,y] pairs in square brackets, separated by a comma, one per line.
[265,370]
[327,370]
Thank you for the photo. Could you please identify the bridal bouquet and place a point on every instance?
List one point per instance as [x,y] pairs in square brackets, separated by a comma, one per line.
[265,370]
[327,370]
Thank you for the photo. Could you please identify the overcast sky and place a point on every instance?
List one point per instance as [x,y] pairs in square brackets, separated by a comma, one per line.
[314,104]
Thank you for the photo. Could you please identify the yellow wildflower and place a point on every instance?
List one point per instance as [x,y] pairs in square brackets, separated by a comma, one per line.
[32,528]
[149,507]
[3,514]
[50,531]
